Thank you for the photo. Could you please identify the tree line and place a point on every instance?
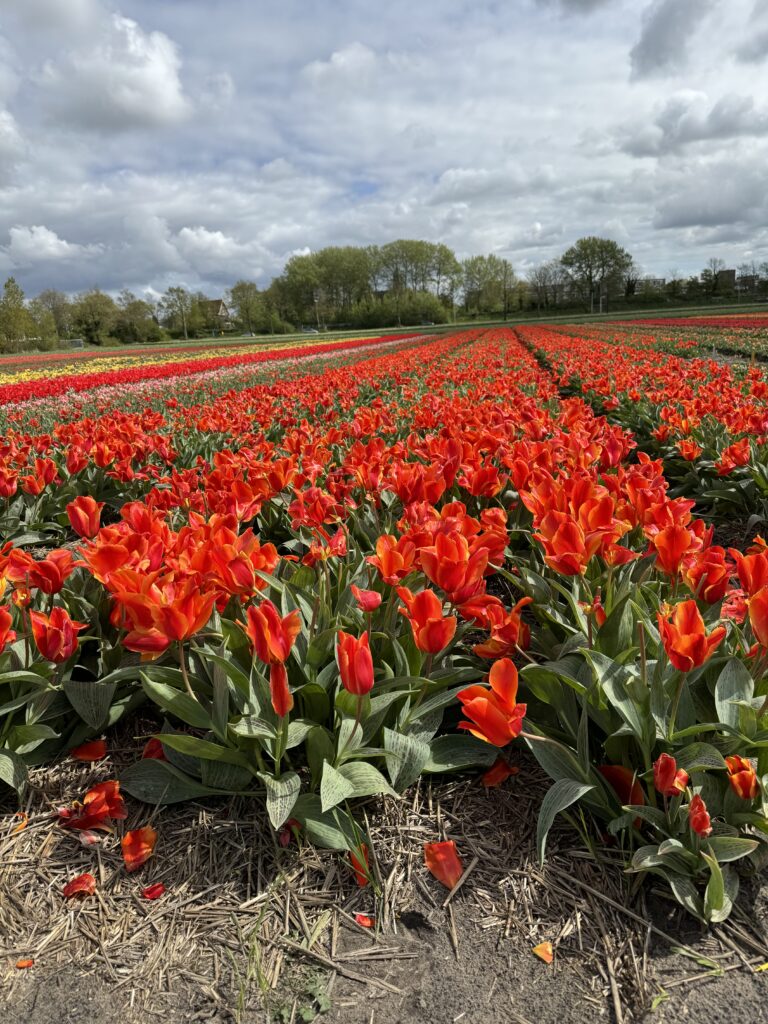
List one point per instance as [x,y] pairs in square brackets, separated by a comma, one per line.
[406,283]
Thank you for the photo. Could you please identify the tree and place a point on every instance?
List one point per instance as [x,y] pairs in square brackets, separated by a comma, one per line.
[248,305]
[488,282]
[710,275]
[176,306]
[15,323]
[94,315]
[44,329]
[596,266]
[135,322]
[60,308]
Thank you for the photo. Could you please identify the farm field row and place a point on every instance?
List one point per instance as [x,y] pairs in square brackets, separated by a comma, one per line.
[331,584]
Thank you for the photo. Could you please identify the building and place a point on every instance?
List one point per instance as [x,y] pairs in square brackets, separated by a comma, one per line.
[216,315]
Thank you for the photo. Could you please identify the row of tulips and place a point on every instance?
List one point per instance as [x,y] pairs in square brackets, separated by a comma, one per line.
[332,585]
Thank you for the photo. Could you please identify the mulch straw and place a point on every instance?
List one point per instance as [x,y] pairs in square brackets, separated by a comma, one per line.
[240,913]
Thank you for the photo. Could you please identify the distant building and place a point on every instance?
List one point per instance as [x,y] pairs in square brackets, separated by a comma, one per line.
[726,280]
[216,315]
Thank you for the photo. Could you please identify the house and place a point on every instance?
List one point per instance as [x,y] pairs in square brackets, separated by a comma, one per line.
[216,315]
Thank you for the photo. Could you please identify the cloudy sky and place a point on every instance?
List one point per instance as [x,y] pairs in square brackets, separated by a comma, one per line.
[150,142]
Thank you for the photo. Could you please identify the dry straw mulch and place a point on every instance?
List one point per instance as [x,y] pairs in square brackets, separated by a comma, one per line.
[247,928]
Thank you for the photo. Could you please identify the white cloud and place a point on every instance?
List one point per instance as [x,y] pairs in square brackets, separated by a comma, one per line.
[37,243]
[125,78]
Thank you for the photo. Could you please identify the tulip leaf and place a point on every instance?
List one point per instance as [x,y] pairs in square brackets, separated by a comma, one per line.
[714,895]
[730,848]
[223,776]
[13,771]
[193,746]
[454,752]
[158,782]
[558,798]
[333,830]
[734,683]
[184,707]
[406,758]
[282,794]
[90,700]
[697,757]
[366,780]
[334,788]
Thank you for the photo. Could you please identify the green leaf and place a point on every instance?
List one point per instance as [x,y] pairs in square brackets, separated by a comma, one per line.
[333,830]
[557,760]
[558,798]
[734,683]
[90,700]
[13,771]
[253,728]
[282,794]
[714,894]
[334,788]
[184,707]
[158,782]
[366,780]
[193,746]
[223,776]
[697,757]
[730,848]
[686,894]
[454,752]
[406,758]
[614,679]
[320,747]
[298,730]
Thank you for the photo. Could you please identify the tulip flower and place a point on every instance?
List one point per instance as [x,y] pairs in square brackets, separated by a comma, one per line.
[698,817]
[450,566]
[668,779]
[367,600]
[279,690]
[84,514]
[83,885]
[742,777]
[394,558]
[138,846]
[7,635]
[685,638]
[443,861]
[271,636]
[494,715]
[432,632]
[55,634]
[355,663]
[758,615]
[623,781]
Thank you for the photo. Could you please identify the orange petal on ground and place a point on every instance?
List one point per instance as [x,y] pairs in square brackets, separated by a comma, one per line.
[544,952]
[23,819]
[153,892]
[83,885]
[23,964]
[95,750]
[138,846]
[443,861]
[365,921]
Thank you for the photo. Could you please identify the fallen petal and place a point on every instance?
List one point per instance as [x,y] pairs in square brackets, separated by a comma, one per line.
[95,750]
[22,964]
[365,921]
[544,952]
[23,819]
[83,885]
[443,861]
[153,892]
[138,846]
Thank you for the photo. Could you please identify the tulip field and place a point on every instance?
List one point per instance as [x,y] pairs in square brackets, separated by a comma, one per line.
[326,572]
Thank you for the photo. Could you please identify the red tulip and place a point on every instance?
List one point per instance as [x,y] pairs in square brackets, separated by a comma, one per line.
[624,783]
[443,861]
[153,750]
[367,600]
[84,514]
[55,635]
[280,693]
[699,817]
[494,715]
[758,615]
[667,778]
[271,636]
[355,663]
[685,638]
[7,635]
[138,846]
[742,777]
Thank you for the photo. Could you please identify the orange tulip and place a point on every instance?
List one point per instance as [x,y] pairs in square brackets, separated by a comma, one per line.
[752,569]
[668,779]
[138,846]
[685,638]
[271,636]
[94,750]
[758,615]
[394,558]
[84,514]
[443,861]
[494,715]
[55,634]
[699,819]
[279,690]
[432,631]
[355,663]
[158,610]
[624,783]
[450,566]
[742,777]
[366,600]
[83,885]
